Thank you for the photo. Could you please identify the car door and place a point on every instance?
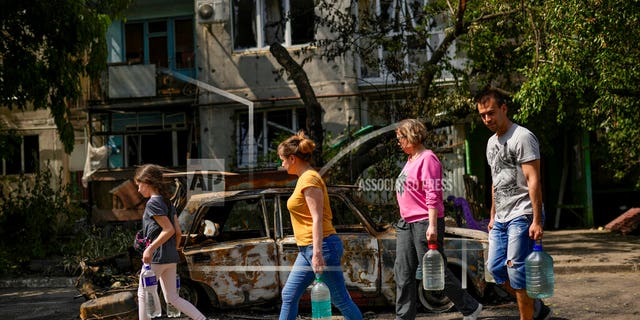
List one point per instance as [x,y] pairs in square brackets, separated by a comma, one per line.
[361,258]
[237,261]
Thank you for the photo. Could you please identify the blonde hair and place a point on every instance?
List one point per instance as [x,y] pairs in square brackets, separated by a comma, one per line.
[414,130]
[298,145]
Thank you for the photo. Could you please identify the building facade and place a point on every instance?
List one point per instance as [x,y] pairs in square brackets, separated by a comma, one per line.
[194,79]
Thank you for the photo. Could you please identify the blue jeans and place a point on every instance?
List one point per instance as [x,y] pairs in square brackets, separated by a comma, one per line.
[302,276]
[509,246]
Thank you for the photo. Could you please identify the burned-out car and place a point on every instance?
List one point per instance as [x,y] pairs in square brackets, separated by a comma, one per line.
[238,249]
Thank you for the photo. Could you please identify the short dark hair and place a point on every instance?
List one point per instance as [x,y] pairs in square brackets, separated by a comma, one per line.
[491,93]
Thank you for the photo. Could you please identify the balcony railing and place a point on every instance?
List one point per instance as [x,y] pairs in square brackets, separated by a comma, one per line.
[125,81]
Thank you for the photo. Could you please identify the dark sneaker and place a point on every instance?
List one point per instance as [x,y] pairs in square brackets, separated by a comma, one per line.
[544,313]
[475,314]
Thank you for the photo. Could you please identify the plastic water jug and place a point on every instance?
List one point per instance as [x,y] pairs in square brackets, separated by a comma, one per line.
[433,269]
[539,271]
[150,287]
[320,300]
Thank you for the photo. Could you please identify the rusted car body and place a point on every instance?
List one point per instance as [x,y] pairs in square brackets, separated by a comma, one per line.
[245,261]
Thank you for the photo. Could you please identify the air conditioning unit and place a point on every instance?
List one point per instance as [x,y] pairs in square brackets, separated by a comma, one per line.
[212,11]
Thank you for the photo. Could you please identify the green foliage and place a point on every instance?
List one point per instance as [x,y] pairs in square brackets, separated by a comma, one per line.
[36,220]
[46,48]
[568,66]
[586,75]
[104,241]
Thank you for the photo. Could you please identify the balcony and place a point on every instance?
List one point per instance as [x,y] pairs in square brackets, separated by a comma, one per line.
[137,81]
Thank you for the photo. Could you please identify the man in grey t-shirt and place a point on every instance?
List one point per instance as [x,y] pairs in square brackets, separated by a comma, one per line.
[516,208]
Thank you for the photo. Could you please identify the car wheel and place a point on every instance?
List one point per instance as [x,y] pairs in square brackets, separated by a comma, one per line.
[434,301]
[190,292]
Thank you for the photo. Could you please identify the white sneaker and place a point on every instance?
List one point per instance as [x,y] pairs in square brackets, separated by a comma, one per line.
[475,314]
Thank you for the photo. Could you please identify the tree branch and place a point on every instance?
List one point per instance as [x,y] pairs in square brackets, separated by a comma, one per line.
[312,106]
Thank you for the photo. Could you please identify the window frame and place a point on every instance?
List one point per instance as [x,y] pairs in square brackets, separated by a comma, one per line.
[260,22]
[118,130]
[171,40]
[263,125]
[383,74]
[22,154]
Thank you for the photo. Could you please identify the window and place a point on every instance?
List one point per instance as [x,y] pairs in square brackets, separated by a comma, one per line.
[287,227]
[343,216]
[134,138]
[288,22]
[166,43]
[25,156]
[398,18]
[228,220]
[184,44]
[269,129]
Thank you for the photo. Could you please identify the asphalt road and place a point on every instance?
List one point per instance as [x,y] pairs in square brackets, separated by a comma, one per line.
[39,303]
[612,296]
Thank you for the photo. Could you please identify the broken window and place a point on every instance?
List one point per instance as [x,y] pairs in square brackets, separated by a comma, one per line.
[184,44]
[157,37]
[24,157]
[344,218]
[231,220]
[272,23]
[133,138]
[302,21]
[134,43]
[397,19]
[166,43]
[269,129]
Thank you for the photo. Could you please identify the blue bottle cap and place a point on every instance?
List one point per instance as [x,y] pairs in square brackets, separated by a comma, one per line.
[537,247]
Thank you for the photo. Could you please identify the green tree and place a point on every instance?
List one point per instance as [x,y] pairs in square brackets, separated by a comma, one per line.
[46,47]
[567,65]
[585,73]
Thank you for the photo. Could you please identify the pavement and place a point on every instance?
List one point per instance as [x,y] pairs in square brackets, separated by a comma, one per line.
[582,250]
[594,267]
[591,250]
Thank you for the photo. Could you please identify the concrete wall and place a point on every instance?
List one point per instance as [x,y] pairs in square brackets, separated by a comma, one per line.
[252,74]
[39,123]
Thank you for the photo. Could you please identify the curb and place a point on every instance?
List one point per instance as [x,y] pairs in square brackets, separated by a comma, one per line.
[46,282]
[606,268]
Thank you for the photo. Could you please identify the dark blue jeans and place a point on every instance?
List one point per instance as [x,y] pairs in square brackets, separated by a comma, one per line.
[302,276]
[410,247]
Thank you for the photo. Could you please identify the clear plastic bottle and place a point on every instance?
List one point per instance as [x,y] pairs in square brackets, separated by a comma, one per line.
[173,312]
[320,301]
[432,269]
[539,272]
[151,298]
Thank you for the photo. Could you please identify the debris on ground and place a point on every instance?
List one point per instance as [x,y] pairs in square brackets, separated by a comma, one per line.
[626,223]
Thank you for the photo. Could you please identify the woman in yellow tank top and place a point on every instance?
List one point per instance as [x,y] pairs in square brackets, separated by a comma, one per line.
[320,248]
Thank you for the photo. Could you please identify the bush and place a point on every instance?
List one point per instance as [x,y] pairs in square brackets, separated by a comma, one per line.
[36,220]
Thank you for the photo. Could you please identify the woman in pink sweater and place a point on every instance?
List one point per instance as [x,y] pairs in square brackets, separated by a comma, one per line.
[419,193]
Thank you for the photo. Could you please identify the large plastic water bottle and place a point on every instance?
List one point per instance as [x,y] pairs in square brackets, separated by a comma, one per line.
[151,298]
[539,271]
[432,269]
[320,301]
[173,312]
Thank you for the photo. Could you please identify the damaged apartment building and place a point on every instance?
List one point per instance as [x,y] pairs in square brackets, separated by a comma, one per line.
[194,79]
